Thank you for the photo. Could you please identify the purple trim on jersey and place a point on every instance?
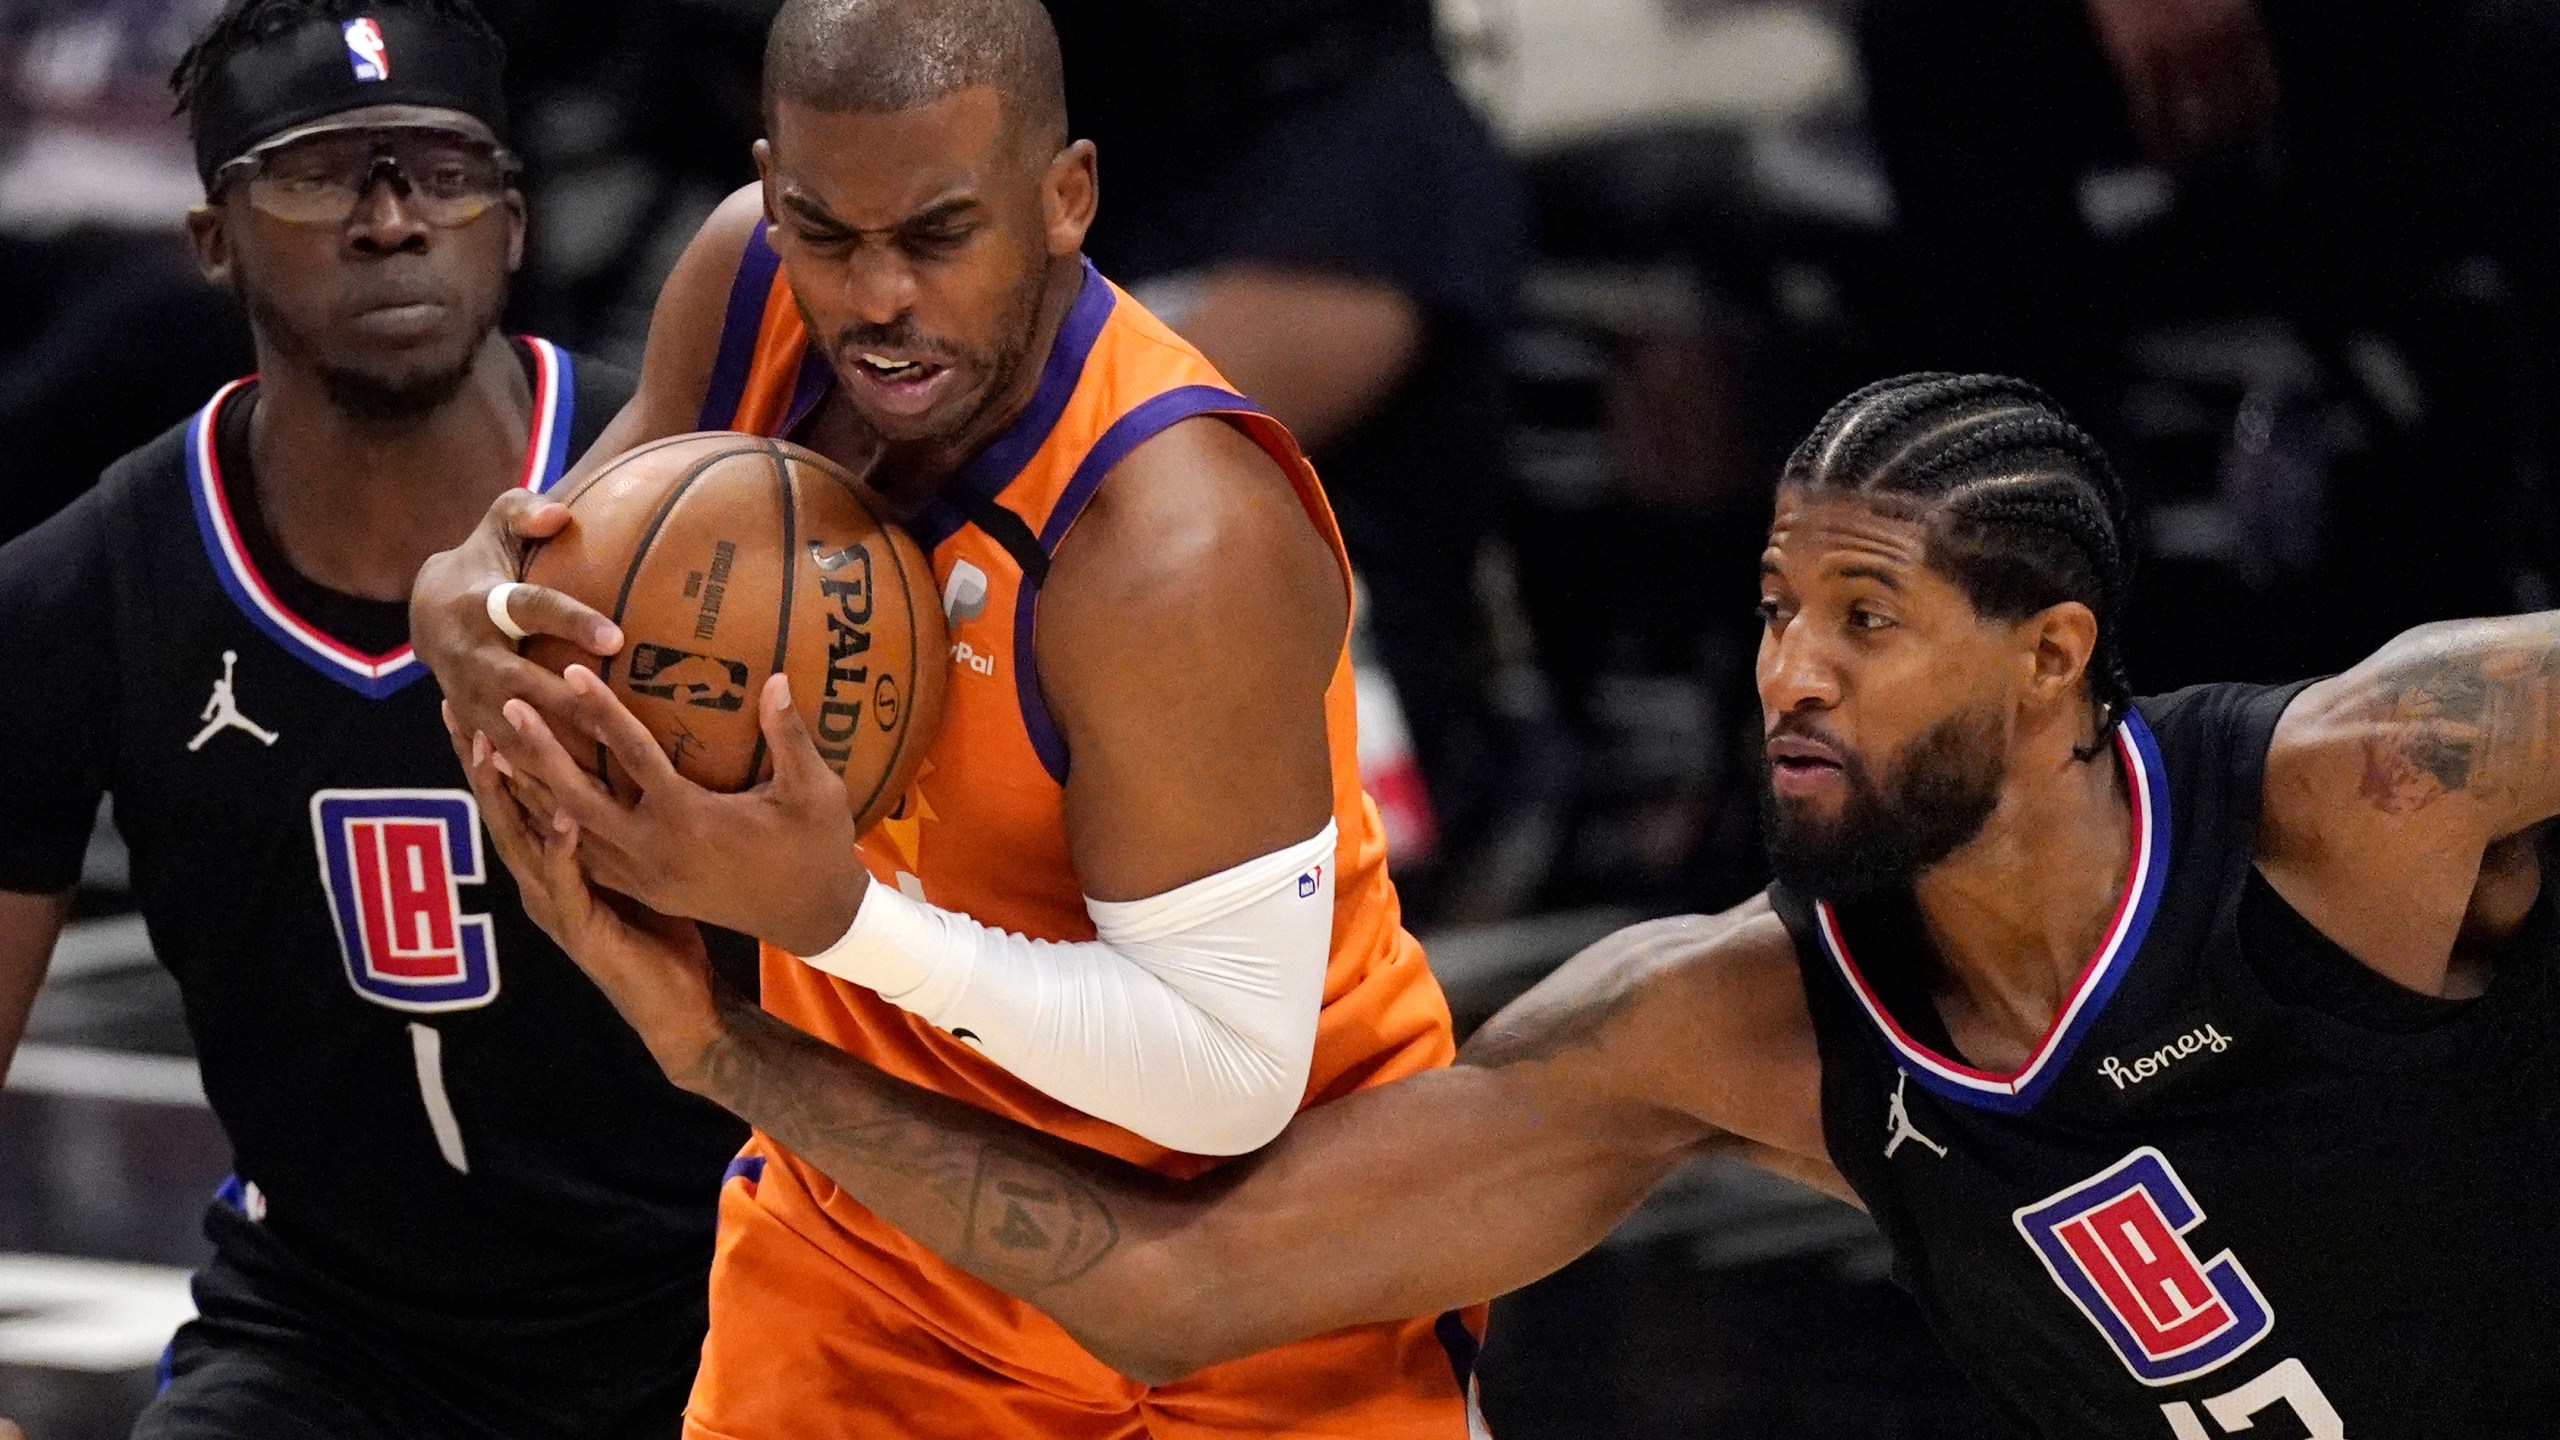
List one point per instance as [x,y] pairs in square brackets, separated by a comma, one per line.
[938,520]
[1140,425]
[1001,462]
[811,386]
[2017,1092]
[996,466]
[372,676]
[749,1168]
[738,328]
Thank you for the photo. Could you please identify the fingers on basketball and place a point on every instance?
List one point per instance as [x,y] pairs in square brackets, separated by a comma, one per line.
[726,558]
[797,765]
[600,713]
[540,610]
[528,516]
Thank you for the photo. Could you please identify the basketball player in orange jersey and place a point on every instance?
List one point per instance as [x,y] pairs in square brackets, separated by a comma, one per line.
[1136,897]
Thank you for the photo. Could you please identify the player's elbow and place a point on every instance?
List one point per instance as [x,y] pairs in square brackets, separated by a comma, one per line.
[1239,1127]
[1247,1111]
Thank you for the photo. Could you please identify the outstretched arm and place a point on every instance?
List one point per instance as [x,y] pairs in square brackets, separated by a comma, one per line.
[2387,784]
[1439,1190]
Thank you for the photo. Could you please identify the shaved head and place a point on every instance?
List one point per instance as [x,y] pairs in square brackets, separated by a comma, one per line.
[887,56]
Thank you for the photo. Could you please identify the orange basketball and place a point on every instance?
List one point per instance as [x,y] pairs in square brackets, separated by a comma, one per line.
[725,558]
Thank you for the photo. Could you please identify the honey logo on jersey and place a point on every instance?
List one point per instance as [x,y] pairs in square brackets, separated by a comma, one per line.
[2117,1245]
[393,863]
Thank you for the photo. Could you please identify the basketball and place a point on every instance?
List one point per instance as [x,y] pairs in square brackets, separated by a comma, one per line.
[725,558]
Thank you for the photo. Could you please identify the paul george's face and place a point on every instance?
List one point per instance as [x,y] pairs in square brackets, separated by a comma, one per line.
[918,244]
[1884,698]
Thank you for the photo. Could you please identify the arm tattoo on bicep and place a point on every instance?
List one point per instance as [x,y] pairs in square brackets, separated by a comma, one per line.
[2467,709]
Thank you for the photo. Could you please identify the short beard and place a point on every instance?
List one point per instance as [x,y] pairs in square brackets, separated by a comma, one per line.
[1936,798]
[371,398]
[1012,349]
[387,400]
[999,365]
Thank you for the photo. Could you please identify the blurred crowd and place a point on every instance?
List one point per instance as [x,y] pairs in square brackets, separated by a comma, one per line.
[2292,262]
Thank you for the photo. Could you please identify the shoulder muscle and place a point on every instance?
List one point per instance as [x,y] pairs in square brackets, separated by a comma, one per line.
[1186,639]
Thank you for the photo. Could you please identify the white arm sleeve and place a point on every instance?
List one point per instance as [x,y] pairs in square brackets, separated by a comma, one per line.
[1190,1021]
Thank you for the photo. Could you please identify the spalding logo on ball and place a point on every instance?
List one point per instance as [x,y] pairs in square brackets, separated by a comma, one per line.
[726,558]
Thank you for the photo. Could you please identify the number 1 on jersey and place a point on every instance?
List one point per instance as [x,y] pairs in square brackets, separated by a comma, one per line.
[426,1046]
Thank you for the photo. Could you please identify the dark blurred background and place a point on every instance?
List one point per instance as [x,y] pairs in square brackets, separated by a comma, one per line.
[1550,287]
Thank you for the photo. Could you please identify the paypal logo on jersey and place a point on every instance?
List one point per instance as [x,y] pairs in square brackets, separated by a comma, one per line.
[366,52]
[392,862]
[2116,1244]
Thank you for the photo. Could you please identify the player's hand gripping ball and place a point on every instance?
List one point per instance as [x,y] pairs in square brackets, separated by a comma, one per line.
[725,558]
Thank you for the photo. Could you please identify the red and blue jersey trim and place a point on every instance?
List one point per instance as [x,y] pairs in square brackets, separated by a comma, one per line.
[372,676]
[2017,1091]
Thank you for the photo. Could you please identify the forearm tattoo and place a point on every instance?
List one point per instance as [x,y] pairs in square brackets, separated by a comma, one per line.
[2462,709]
[935,1167]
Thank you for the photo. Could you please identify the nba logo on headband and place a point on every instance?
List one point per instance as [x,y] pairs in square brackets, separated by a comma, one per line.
[365,51]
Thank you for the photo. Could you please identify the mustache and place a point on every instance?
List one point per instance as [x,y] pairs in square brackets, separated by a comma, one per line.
[900,335]
[1797,726]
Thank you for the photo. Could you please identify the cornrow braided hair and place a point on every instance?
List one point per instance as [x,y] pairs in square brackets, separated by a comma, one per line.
[2024,509]
[244,23]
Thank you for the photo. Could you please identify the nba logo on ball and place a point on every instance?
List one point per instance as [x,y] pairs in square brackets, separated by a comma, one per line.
[2117,1245]
[366,51]
[393,862]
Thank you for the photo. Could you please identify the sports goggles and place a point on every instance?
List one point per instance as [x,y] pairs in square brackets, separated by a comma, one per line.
[446,179]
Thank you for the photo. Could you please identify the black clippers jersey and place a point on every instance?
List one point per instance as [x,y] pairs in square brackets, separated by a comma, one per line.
[2244,1186]
[434,1113]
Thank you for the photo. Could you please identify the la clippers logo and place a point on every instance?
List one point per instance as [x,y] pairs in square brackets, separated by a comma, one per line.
[366,50]
[2116,1244]
[393,862]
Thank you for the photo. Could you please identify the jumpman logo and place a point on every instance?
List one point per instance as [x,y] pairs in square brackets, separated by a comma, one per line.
[1898,1126]
[222,712]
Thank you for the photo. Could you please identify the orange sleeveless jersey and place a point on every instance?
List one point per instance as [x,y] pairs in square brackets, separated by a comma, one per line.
[982,830]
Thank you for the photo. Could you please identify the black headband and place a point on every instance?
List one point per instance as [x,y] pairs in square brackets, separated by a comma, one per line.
[398,56]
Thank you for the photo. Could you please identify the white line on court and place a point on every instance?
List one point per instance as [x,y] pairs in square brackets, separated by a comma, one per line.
[95,1315]
[85,1073]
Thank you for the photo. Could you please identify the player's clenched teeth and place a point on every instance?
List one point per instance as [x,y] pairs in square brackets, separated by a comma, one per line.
[889,368]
